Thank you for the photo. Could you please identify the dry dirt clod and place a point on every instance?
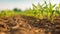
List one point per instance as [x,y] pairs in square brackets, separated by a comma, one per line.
[2,33]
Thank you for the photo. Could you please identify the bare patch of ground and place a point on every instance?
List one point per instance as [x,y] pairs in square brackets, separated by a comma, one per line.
[20,24]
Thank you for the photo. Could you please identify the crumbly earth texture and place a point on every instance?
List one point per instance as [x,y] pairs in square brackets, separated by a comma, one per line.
[20,24]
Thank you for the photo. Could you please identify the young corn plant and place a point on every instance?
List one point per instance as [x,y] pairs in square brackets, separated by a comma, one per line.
[58,10]
[52,12]
[34,9]
[38,10]
[48,8]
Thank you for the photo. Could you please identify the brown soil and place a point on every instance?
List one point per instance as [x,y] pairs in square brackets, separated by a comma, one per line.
[20,24]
